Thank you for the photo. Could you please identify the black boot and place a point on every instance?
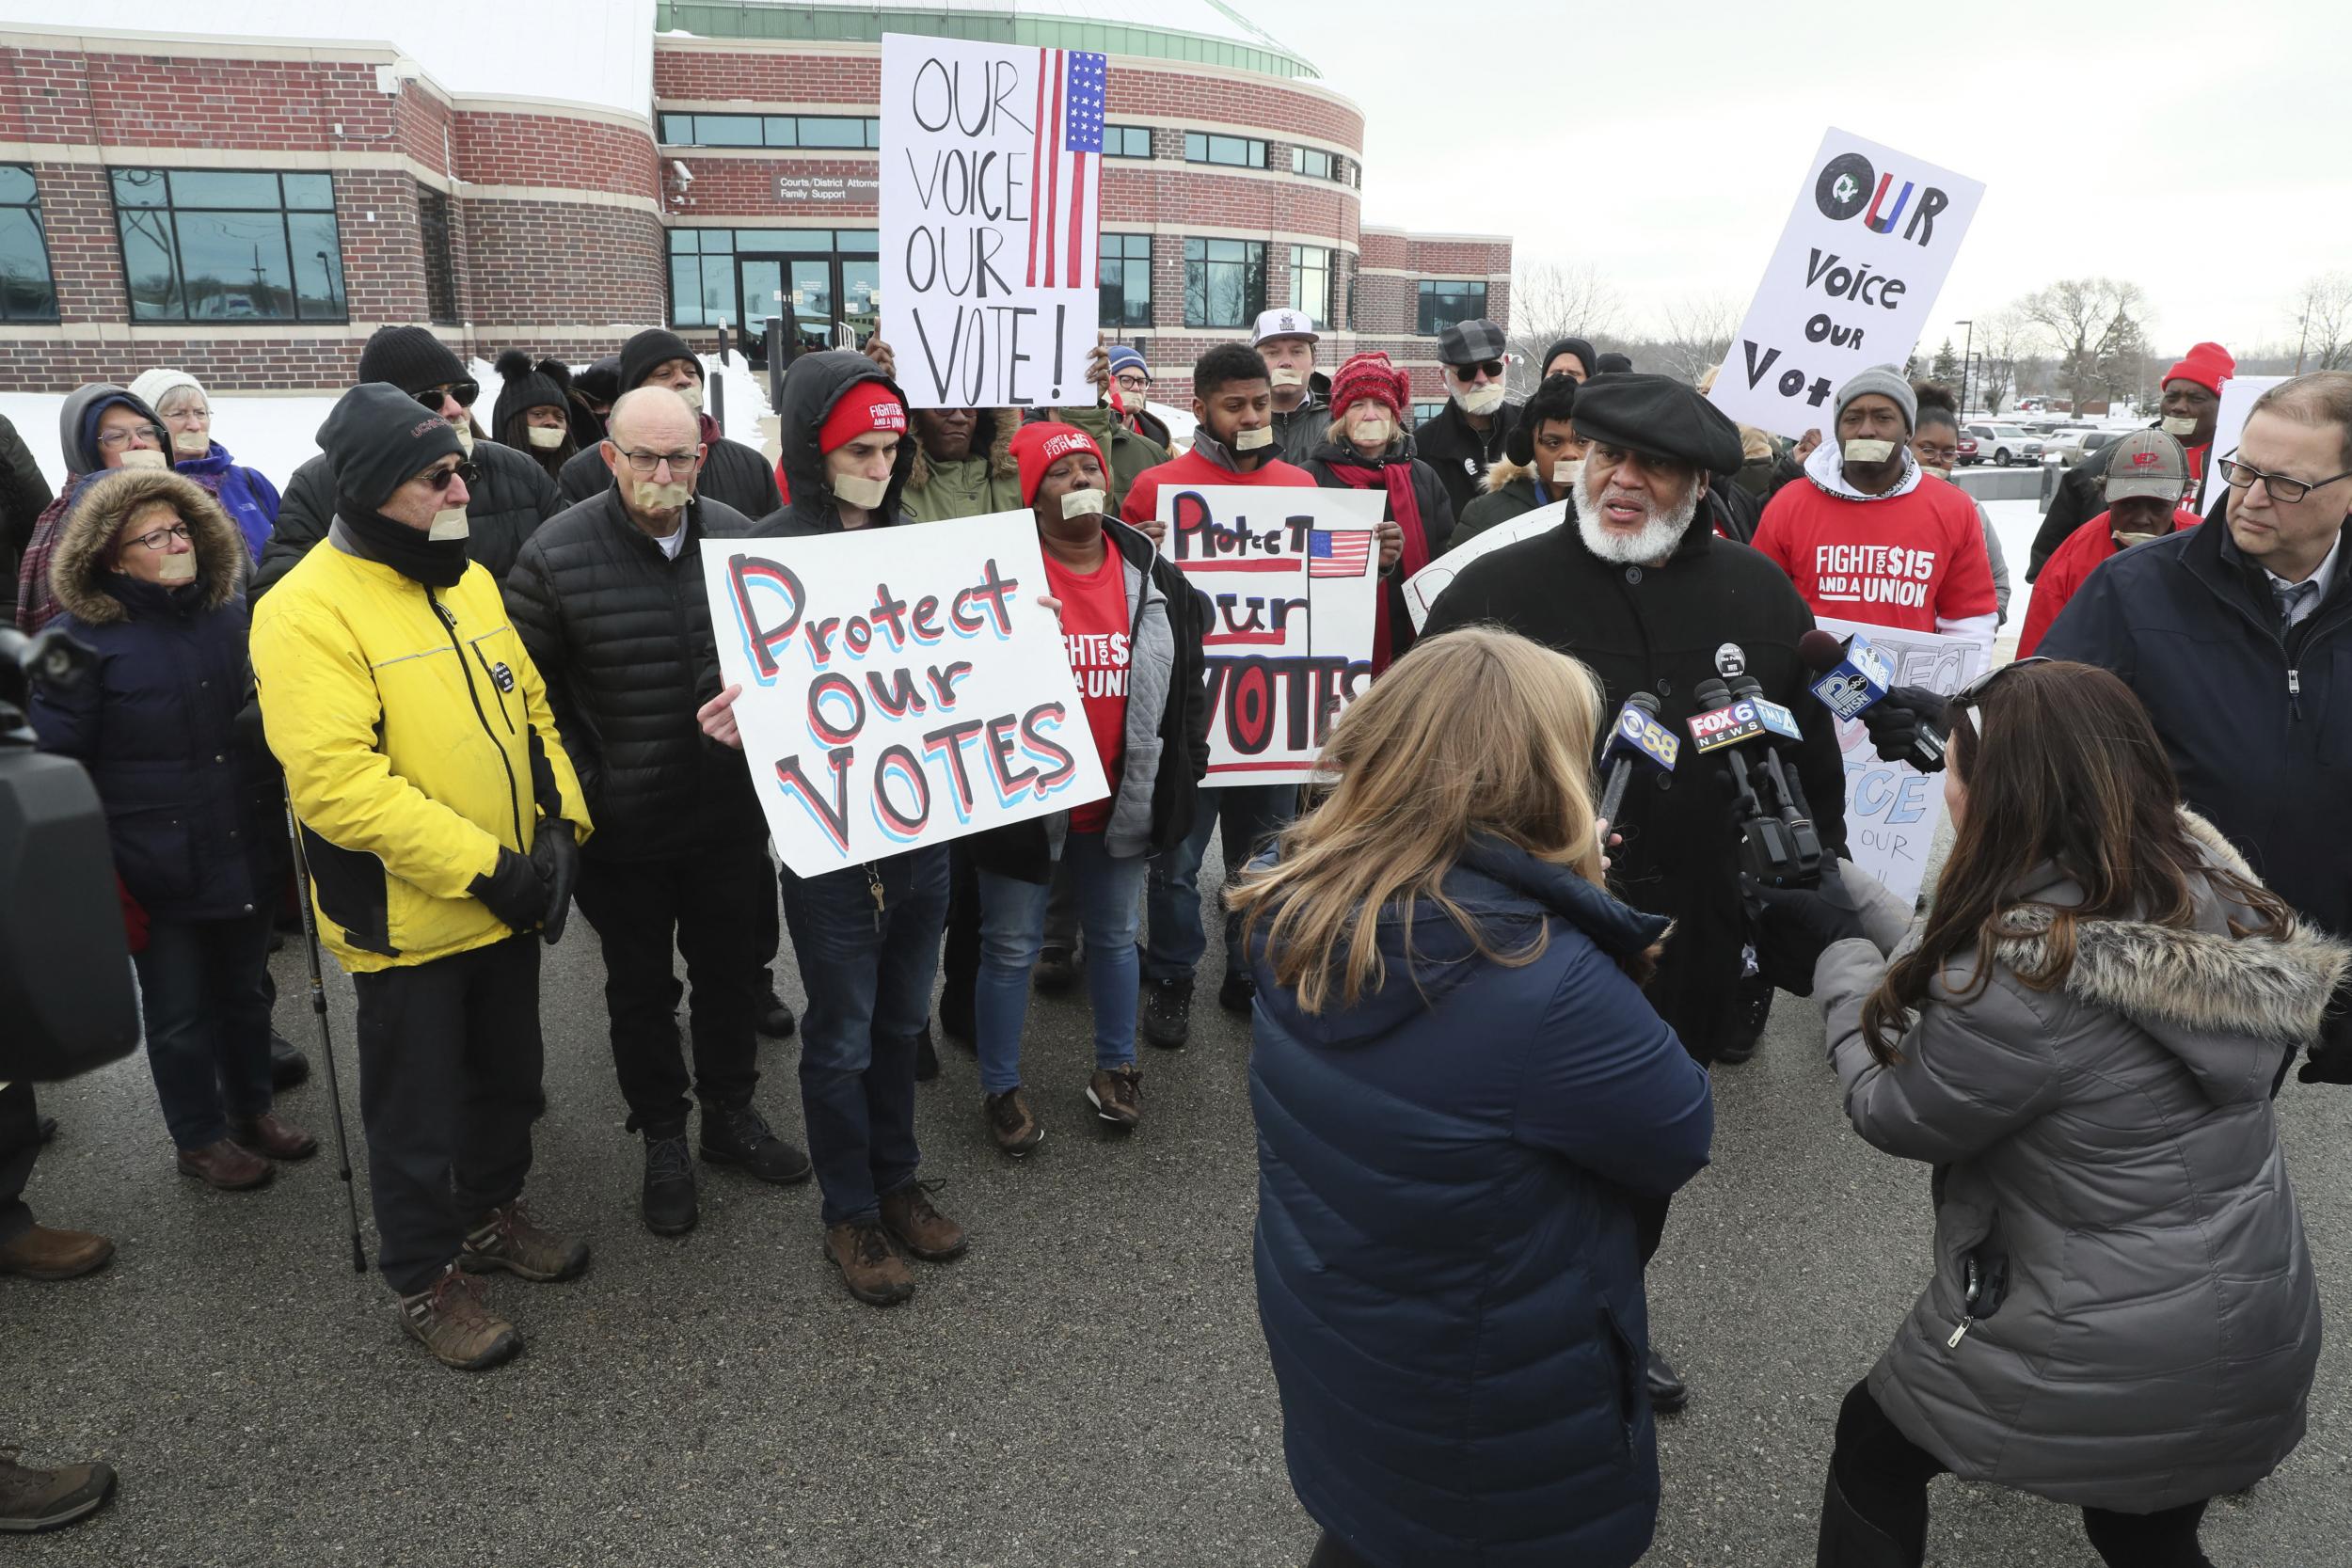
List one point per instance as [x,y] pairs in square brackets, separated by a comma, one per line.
[669,1204]
[1668,1393]
[1849,1540]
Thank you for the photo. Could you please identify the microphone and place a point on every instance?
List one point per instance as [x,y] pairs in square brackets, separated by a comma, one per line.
[1636,734]
[1906,722]
[1772,849]
[1796,817]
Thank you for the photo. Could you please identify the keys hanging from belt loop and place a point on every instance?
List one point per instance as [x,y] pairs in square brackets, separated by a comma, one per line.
[874,886]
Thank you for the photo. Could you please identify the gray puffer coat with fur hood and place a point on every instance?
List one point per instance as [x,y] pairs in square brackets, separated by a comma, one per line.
[2110,1141]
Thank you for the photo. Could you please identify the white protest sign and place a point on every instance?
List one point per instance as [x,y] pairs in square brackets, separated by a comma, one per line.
[898,695]
[1851,283]
[991,175]
[1423,588]
[1892,811]
[1292,576]
[2237,400]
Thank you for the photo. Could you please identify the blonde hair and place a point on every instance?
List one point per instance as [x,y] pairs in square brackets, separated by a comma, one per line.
[1477,731]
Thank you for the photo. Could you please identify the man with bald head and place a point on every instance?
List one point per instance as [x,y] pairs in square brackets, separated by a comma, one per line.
[608,598]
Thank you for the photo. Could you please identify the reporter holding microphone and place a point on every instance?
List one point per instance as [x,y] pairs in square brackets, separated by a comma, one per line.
[2081,1038]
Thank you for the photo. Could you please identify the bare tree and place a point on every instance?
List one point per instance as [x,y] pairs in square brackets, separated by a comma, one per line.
[2323,309]
[2006,336]
[1698,333]
[2093,323]
[1554,301]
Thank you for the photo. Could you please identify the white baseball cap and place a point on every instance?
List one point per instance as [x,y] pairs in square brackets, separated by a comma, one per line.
[1283,324]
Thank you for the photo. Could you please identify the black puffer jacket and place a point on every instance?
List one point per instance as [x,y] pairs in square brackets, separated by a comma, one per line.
[620,634]
[733,475]
[513,496]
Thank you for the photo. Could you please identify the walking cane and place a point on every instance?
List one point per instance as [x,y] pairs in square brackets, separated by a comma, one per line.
[327,1044]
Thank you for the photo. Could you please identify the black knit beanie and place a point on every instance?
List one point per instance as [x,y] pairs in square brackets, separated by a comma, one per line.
[410,358]
[652,347]
[376,439]
[527,388]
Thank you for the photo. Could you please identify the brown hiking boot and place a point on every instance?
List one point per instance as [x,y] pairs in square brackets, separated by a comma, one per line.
[35,1500]
[449,1320]
[874,1273]
[1015,1129]
[267,1135]
[42,1253]
[506,1238]
[922,1230]
[1118,1096]
[226,1166]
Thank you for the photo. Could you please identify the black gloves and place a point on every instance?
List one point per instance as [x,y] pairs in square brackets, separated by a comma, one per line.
[1908,724]
[514,892]
[555,856]
[1794,927]
[2331,1053]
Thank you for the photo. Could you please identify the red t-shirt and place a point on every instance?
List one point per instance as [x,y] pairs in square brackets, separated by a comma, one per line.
[1144,497]
[2084,551]
[1906,562]
[1094,630]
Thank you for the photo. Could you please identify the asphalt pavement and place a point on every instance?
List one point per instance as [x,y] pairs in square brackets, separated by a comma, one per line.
[1086,1387]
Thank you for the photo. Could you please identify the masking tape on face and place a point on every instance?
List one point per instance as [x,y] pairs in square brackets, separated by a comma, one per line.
[692,393]
[1567,472]
[176,568]
[145,457]
[2179,428]
[195,443]
[1373,428]
[465,435]
[1085,503]
[660,497]
[448,523]
[1481,399]
[1285,377]
[1863,450]
[858,491]
[1250,440]
[547,437]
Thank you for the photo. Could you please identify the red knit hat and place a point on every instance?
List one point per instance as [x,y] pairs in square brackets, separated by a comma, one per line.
[2207,364]
[1369,375]
[1038,447]
[865,408]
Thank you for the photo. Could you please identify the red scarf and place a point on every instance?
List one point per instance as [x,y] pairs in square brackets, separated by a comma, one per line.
[1404,511]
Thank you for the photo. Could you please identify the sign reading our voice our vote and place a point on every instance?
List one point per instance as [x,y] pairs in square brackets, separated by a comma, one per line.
[1292,579]
[1851,283]
[895,698]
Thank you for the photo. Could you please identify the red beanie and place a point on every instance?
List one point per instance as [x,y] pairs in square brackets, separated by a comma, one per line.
[1039,446]
[865,408]
[2207,364]
[1369,375]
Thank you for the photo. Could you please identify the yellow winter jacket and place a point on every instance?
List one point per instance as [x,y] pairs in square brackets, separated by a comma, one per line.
[417,741]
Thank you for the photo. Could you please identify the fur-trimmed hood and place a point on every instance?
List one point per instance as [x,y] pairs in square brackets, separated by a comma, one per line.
[1002,422]
[2199,990]
[78,571]
[1503,471]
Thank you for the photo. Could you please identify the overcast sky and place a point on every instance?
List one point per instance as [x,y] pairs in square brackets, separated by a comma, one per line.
[2199,150]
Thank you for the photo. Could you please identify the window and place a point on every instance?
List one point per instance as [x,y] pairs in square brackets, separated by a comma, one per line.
[1224,282]
[1442,304]
[1314,162]
[1126,279]
[1241,151]
[702,277]
[1126,141]
[1311,282]
[1424,412]
[27,292]
[817,130]
[440,277]
[220,245]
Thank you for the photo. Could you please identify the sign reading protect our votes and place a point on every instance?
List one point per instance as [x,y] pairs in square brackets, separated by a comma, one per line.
[1851,283]
[991,203]
[1292,576]
[896,697]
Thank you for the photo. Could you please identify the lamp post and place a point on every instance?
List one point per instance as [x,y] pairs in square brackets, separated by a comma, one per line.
[1967,341]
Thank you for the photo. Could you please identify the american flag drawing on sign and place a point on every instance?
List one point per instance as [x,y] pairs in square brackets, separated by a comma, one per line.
[1333,553]
[1065,193]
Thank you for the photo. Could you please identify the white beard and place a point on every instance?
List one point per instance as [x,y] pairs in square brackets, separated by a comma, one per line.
[1655,541]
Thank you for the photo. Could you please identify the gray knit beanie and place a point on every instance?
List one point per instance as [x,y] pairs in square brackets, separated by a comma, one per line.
[1887,382]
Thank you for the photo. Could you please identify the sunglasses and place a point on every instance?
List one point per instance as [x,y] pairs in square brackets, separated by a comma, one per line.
[1966,697]
[439,478]
[464,391]
[1465,373]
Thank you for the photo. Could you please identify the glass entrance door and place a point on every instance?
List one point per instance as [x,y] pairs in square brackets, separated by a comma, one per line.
[861,294]
[819,295]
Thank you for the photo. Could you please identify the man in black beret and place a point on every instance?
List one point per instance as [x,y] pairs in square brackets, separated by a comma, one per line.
[1652,601]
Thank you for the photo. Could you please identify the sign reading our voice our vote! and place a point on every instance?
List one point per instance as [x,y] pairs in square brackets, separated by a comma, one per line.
[1292,579]
[992,181]
[896,698]
[1851,283]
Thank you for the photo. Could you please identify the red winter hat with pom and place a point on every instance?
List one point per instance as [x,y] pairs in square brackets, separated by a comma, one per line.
[2207,364]
[1369,375]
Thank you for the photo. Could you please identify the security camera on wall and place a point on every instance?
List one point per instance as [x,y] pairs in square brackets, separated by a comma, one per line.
[685,175]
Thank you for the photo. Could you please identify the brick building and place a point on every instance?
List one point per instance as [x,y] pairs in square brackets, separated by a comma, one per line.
[250,209]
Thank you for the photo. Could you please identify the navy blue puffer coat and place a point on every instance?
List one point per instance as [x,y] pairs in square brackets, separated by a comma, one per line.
[1448,1276]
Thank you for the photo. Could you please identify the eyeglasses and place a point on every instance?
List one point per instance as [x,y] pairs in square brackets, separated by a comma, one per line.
[1470,373]
[1965,699]
[644,463]
[114,439]
[163,536]
[464,391]
[1131,382]
[2285,491]
[439,478]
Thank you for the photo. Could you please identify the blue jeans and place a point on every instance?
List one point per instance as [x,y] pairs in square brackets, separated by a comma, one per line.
[1013,929]
[207,1023]
[869,996]
[1178,935]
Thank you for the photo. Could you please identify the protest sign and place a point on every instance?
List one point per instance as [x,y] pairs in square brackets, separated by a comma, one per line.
[896,697]
[1892,811]
[1423,588]
[1851,283]
[990,202]
[1292,576]
[2237,400]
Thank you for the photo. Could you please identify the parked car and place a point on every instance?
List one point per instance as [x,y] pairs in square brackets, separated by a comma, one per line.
[2069,445]
[2004,444]
[1967,458]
